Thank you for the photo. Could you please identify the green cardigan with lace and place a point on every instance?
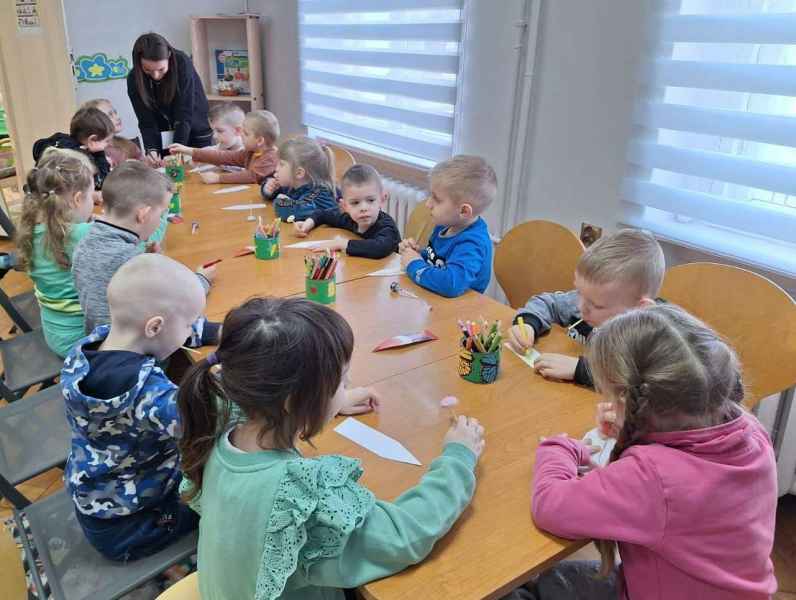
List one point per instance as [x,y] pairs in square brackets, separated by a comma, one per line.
[276,525]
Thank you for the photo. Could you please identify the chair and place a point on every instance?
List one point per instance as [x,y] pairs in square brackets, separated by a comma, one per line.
[752,312]
[343,160]
[34,437]
[186,588]
[536,257]
[419,225]
[23,310]
[27,361]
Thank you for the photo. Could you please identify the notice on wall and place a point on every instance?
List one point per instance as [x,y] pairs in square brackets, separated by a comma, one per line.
[28,15]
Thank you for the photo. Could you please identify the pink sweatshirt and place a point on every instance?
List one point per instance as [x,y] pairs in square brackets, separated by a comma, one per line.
[693,511]
[257,165]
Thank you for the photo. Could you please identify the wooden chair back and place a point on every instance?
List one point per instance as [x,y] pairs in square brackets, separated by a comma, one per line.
[343,160]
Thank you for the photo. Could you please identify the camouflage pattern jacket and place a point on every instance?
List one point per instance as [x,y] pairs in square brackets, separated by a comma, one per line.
[124,455]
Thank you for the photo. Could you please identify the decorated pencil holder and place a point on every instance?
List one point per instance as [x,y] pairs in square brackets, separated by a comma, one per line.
[176,172]
[479,367]
[175,207]
[321,290]
[266,248]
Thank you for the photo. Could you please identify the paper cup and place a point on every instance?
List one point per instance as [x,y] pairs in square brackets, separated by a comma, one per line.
[479,367]
[266,248]
[321,290]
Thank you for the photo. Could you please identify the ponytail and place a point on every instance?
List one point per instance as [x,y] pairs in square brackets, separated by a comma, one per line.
[204,413]
[316,160]
[331,166]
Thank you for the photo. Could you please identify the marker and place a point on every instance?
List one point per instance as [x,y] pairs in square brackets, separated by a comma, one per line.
[575,324]
[211,263]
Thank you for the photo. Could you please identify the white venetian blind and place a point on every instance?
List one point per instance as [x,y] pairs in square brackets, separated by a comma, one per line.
[382,75]
[714,161]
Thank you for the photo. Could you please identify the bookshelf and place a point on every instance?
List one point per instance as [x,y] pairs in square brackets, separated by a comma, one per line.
[228,32]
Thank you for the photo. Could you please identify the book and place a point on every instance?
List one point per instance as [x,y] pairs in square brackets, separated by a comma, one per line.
[232,71]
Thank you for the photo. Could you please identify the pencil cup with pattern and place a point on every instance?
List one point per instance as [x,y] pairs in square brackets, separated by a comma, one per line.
[479,350]
[321,290]
[266,248]
[479,367]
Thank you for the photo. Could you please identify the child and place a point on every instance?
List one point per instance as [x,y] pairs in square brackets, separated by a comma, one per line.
[123,467]
[303,180]
[459,252]
[90,131]
[362,203]
[690,494]
[258,157]
[136,199]
[301,527]
[618,272]
[120,148]
[58,203]
[226,121]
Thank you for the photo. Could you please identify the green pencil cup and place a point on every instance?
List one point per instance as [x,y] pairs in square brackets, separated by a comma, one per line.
[176,172]
[175,207]
[323,291]
[479,367]
[266,248]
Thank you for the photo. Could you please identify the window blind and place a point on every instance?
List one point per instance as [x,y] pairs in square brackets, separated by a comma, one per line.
[713,163]
[382,74]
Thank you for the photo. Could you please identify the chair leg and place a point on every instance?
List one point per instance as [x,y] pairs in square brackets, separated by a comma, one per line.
[9,492]
[28,548]
[5,391]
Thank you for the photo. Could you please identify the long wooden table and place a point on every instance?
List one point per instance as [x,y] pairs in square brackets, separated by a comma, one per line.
[494,546]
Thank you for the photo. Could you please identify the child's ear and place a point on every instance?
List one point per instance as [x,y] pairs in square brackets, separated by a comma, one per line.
[385,198]
[466,210]
[77,199]
[299,173]
[646,302]
[153,326]
[141,213]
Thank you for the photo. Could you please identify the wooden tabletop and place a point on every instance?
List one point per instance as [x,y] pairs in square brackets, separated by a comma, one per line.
[494,546]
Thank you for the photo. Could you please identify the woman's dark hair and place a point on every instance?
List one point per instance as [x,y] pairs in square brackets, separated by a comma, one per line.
[281,362]
[153,46]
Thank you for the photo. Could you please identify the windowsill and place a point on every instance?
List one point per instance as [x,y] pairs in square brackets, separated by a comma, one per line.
[752,251]
[387,166]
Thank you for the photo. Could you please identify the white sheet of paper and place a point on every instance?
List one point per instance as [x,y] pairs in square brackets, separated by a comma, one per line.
[243,207]
[595,438]
[167,138]
[529,359]
[234,188]
[375,441]
[388,272]
[308,245]
[202,168]
[161,170]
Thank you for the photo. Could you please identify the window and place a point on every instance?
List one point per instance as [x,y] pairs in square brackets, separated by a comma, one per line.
[382,75]
[714,163]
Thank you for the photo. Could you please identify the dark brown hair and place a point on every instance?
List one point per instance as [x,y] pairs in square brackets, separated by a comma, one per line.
[671,371]
[281,362]
[153,46]
[90,121]
[133,184]
[361,174]
[58,175]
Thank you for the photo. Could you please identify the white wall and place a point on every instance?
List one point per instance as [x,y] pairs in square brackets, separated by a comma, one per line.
[112,27]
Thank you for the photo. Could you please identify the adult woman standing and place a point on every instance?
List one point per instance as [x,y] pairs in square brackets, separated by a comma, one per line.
[167,96]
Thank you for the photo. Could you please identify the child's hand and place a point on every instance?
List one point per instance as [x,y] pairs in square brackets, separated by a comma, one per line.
[408,255]
[208,273]
[302,228]
[360,400]
[521,338]
[468,432]
[153,160]
[153,247]
[556,366]
[271,185]
[606,420]
[339,243]
[210,177]
[180,149]
[408,243]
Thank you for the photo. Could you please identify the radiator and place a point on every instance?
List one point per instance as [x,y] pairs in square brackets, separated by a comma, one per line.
[402,200]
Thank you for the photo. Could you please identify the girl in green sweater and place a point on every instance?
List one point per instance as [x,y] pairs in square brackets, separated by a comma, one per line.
[273,523]
[59,199]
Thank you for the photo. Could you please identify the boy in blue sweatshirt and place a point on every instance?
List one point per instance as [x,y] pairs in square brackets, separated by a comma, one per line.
[459,252]
[123,469]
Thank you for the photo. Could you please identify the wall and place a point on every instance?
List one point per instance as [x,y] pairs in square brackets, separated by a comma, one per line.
[113,29]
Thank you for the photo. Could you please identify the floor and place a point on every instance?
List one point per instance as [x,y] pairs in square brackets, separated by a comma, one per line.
[12,583]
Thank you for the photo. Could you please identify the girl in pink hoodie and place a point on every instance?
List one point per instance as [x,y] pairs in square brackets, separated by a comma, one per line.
[689,495]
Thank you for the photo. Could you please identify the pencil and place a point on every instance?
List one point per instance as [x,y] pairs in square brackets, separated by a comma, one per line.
[211,263]
[575,324]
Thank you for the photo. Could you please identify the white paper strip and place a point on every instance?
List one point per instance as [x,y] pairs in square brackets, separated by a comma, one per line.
[375,441]
[529,358]
[308,245]
[202,168]
[234,188]
[595,438]
[243,206]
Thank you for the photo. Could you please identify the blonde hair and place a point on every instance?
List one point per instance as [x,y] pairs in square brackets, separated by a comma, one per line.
[316,160]
[96,103]
[631,256]
[671,371]
[50,186]
[263,123]
[467,179]
[230,114]
[131,185]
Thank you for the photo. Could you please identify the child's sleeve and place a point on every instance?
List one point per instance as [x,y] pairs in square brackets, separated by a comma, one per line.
[383,538]
[333,217]
[384,243]
[214,156]
[256,171]
[623,501]
[157,409]
[541,311]
[203,333]
[456,276]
